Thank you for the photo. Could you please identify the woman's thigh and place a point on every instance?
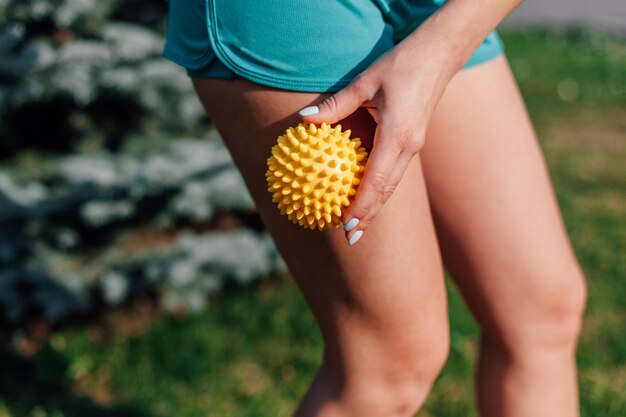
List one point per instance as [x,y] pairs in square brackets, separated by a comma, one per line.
[500,229]
[386,292]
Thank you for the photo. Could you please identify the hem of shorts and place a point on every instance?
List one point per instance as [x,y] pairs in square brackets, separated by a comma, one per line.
[199,73]
[221,53]
[315,86]
[484,55]
[194,64]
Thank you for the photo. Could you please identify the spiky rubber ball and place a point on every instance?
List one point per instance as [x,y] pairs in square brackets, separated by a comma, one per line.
[314,172]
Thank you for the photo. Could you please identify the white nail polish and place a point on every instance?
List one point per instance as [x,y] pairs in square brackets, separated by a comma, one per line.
[309,111]
[355,237]
[352,223]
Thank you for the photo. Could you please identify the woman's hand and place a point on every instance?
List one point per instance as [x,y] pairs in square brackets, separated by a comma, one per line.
[400,90]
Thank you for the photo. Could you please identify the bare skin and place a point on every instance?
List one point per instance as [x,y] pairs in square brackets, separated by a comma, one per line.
[381,304]
[381,308]
[401,90]
[503,240]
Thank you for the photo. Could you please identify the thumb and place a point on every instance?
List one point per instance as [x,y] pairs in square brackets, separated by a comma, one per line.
[335,107]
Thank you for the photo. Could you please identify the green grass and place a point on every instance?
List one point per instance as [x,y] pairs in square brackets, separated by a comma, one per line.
[255,350]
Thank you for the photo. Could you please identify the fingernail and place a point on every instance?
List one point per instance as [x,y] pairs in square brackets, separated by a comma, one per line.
[309,111]
[355,237]
[352,223]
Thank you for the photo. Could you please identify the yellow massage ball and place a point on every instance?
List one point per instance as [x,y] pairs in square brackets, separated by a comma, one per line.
[314,172]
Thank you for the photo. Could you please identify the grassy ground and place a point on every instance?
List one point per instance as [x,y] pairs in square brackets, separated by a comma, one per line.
[255,350]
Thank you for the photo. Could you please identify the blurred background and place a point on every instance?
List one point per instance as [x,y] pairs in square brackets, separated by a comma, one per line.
[136,278]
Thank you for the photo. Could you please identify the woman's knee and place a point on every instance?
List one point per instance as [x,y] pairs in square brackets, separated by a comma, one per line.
[389,376]
[547,314]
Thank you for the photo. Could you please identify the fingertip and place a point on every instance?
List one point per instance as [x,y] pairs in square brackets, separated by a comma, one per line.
[355,237]
[351,224]
[309,111]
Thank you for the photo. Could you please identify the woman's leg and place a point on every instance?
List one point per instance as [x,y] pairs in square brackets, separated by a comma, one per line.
[380,304]
[503,240]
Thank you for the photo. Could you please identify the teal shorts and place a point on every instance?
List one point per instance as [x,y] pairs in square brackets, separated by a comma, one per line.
[300,45]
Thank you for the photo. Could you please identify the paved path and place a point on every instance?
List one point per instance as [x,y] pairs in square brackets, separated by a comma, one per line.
[607,14]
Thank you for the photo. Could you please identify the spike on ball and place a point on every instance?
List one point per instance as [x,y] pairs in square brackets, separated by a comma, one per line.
[325,169]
